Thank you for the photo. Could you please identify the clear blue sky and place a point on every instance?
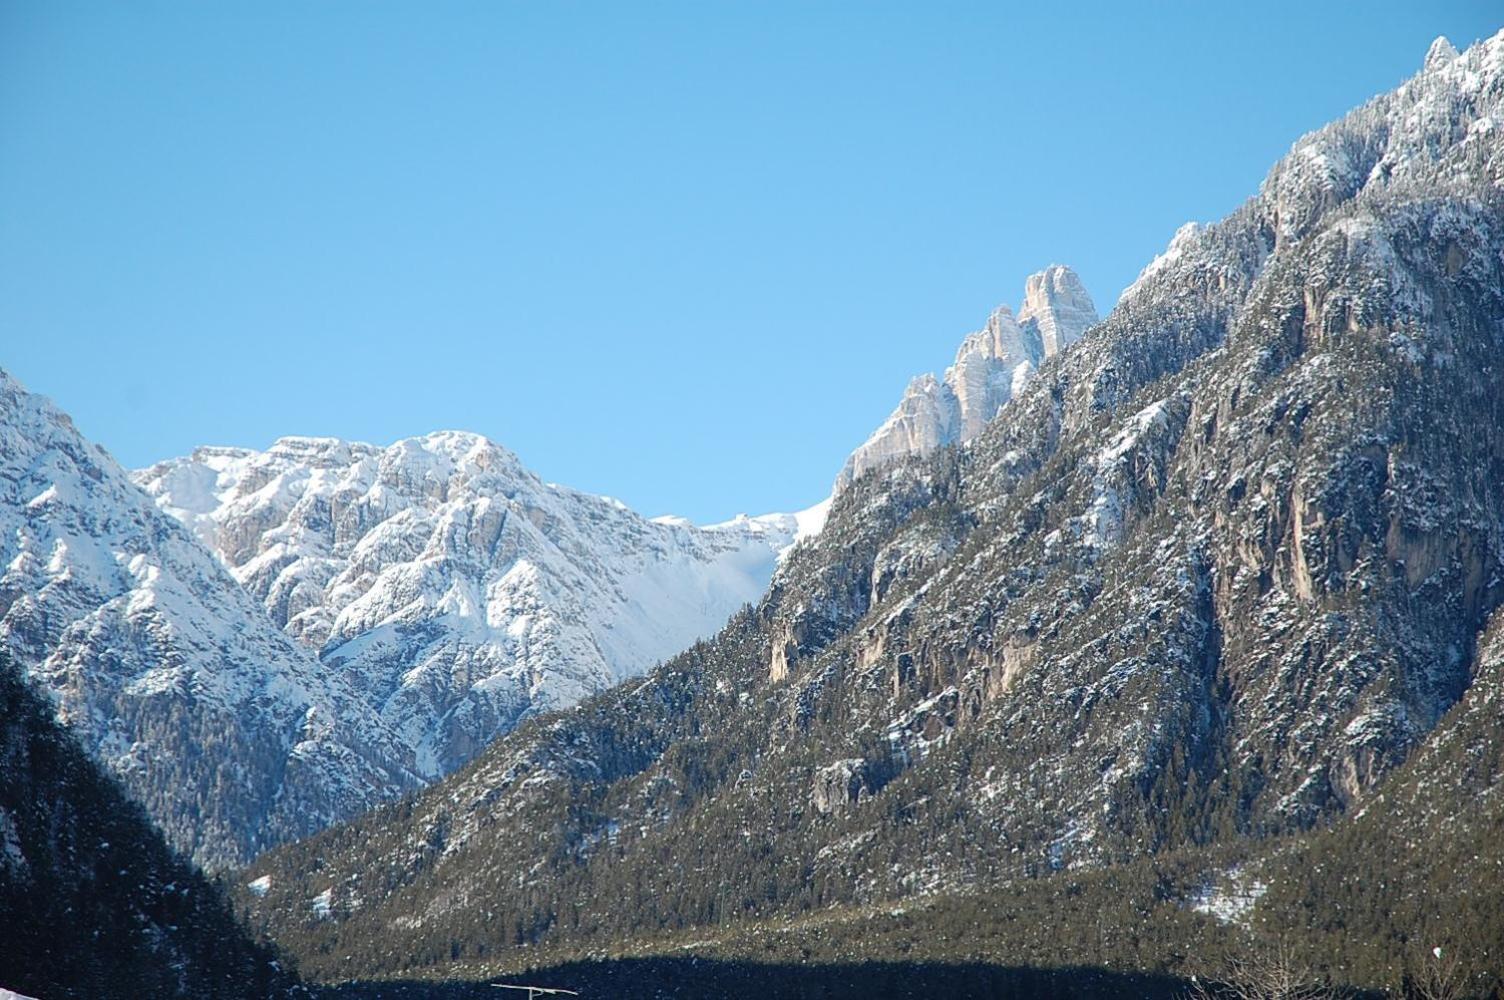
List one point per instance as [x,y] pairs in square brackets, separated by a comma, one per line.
[685,254]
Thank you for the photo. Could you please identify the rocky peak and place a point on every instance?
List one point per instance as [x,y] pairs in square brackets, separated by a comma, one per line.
[1058,306]
[1001,338]
[1441,52]
[991,366]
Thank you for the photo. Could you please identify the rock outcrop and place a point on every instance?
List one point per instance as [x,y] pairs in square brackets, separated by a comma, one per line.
[991,367]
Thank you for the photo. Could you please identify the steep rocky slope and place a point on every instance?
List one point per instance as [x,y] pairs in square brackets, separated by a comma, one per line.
[93,903]
[230,734]
[1211,576]
[991,367]
[457,591]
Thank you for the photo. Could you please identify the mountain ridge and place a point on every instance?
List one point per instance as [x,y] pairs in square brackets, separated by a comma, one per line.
[230,735]
[463,592]
[990,368]
[1211,579]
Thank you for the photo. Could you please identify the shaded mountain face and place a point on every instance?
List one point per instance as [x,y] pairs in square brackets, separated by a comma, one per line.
[456,591]
[1213,574]
[230,734]
[991,367]
[94,904]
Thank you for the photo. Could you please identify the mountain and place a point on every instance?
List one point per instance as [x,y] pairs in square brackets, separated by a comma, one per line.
[94,904]
[231,735]
[991,367]
[1220,576]
[455,590]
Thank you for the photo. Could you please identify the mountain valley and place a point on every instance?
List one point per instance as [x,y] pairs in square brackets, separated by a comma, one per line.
[1137,655]
[1220,577]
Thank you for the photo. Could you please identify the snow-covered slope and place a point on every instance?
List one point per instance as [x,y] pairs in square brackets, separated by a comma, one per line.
[991,367]
[458,591]
[232,736]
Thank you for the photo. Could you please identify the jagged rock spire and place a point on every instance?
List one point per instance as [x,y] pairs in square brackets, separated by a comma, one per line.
[990,367]
[1441,52]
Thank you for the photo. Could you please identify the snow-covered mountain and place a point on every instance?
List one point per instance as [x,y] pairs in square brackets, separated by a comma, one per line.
[1229,568]
[991,367]
[232,735]
[260,643]
[454,588]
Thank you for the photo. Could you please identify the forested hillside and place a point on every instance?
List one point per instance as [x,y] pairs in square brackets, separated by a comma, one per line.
[93,903]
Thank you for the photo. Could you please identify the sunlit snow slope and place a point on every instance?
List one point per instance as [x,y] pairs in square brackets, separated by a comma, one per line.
[455,588]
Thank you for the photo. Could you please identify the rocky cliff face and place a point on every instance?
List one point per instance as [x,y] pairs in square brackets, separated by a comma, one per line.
[991,366]
[456,591]
[230,734]
[1214,573]
[1056,306]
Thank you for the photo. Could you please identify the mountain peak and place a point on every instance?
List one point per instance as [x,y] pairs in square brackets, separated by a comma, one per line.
[991,365]
[1441,52]
[1057,302]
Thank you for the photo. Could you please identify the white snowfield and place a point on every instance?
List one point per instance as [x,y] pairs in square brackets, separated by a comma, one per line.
[6,994]
[458,591]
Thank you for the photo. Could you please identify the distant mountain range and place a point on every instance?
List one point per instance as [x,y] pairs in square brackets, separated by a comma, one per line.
[455,589]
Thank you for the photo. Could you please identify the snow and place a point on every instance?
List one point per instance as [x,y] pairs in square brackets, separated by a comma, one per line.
[456,588]
[260,886]
[121,599]
[1021,375]
[1182,241]
[1441,52]
[811,520]
[43,498]
[320,905]
[1229,898]
[1102,523]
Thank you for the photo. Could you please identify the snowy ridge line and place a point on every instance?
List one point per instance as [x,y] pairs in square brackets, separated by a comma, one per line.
[455,588]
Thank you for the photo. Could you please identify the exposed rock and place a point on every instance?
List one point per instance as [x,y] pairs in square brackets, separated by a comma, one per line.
[231,735]
[1056,309]
[455,589]
[991,366]
[838,785]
